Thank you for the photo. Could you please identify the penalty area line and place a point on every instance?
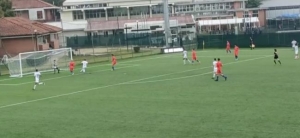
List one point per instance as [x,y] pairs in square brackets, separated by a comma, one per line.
[120,63]
[179,78]
[67,76]
[157,76]
[96,88]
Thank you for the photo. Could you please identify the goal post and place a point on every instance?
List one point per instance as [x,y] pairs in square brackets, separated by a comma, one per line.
[26,63]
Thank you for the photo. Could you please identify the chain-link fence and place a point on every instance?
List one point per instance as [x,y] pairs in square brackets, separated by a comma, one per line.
[263,40]
[277,32]
[98,48]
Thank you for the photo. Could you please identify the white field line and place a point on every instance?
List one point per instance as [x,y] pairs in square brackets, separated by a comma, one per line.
[197,69]
[163,56]
[178,78]
[121,63]
[232,56]
[65,76]
[78,68]
[96,88]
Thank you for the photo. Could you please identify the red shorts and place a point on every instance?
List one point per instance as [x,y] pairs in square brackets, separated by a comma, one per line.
[71,69]
[114,63]
[194,58]
[236,54]
[227,48]
[219,71]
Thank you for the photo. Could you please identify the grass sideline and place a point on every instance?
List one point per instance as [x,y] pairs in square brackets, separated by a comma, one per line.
[158,96]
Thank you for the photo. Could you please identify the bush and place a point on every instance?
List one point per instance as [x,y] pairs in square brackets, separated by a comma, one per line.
[136,49]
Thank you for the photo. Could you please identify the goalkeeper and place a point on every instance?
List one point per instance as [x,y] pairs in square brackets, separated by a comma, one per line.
[55,67]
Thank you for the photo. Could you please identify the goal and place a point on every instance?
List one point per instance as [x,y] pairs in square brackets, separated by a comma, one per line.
[26,63]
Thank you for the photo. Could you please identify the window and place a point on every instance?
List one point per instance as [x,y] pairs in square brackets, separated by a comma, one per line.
[157,9]
[140,10]
[229,5]
[39,14]
[117,12]
[77,15]
[246,14]
[215,6]
[207,7]
[94,14]
[221,6]
[255,13]
[18,13]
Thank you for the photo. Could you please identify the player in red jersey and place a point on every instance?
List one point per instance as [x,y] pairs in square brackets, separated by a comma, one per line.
[72,66]
[219,70]
[236,52]
[228,47]
[194,56]
[113,62]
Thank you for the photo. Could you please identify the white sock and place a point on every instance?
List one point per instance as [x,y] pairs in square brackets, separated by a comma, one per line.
[41,83]
[183,61]
[189,61]
[214,75]
[34,86]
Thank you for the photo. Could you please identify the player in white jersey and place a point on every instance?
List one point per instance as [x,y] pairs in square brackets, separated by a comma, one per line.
[185,57]
[214,68]
[84,65]
[296,51]
[294,42]
[37,75]
[55,67]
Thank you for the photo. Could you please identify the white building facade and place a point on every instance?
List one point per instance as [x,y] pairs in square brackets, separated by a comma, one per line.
[129,9]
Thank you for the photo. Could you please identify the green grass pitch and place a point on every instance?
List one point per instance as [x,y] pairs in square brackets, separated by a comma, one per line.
[159,97]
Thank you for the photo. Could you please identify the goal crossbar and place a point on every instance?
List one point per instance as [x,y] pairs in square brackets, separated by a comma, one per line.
[26,63]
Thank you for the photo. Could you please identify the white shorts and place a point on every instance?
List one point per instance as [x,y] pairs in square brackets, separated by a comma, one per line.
[37,80]
[215,70]
[185,57]
[83,67]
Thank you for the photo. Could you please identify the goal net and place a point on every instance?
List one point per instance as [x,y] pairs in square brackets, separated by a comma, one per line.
[26,63]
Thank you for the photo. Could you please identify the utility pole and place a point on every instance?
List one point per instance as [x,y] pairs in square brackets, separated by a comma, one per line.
[167,21]
[126,36]
[36,40]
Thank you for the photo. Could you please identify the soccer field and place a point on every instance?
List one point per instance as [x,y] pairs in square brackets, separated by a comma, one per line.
[159,97]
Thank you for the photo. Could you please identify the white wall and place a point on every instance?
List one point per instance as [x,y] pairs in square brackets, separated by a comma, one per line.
[67,16]
[33,13]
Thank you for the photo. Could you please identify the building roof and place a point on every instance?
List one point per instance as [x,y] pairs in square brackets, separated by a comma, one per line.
[140,2]
[69,26]
[227,21]
[279,3]
[18,26]
[100,25]
[29,4]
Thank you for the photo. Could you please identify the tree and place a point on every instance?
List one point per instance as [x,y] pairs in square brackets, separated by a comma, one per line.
[253,3]
[55,2]
[1,12]
[6,8]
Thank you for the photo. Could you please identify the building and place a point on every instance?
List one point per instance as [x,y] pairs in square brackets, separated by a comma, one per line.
[19,35]
[36,10]
[282,15]
[117,10]
[70,29]
[129,9]
[277,8]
